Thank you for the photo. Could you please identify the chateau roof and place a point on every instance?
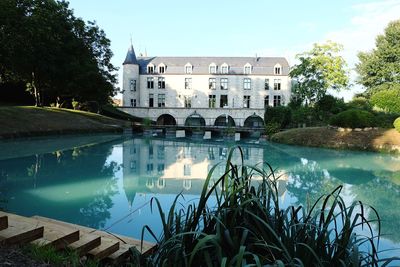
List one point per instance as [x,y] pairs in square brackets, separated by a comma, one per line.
[176,65]
[130,57]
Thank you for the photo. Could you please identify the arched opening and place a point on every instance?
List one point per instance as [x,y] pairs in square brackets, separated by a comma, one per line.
[224,120]
[254,121]
[166,119]
[195,120]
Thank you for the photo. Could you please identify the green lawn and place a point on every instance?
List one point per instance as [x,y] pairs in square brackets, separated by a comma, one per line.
[20,121]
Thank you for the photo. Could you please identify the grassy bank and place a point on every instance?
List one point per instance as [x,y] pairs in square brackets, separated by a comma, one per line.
[378,140]
[33,121]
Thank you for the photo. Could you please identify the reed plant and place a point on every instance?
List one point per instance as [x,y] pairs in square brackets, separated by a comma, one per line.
[247,226]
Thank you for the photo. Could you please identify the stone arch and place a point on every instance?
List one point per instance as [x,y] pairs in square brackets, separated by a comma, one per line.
[166,119]
[254,121]
[224,120]
[195,120]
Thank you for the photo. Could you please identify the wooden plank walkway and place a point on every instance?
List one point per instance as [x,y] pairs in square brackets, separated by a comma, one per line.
[15,229]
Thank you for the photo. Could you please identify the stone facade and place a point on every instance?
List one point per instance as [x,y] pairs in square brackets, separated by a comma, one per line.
[209,87]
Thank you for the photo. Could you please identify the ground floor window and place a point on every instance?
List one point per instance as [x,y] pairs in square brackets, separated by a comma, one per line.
[188,102]
[277,100]
[266,101]
[151,100]
[161,100]
[211,101]
[223,101]
[246,101]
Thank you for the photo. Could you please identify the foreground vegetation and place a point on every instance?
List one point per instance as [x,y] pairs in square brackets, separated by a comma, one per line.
[247,226]
[33,121]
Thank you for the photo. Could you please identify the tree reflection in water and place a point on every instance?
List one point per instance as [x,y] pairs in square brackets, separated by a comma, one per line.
[65,175]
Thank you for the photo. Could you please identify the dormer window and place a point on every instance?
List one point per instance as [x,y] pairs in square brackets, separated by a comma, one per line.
[213,68]
[247,69]
[224,68]
[277,69]
[150,68]
[161,68]
[188,68]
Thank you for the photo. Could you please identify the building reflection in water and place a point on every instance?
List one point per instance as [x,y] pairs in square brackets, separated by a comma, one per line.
[172,167]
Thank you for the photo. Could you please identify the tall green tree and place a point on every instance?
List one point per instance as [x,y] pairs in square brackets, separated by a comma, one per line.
[56,54]
[319,69]
[381,65]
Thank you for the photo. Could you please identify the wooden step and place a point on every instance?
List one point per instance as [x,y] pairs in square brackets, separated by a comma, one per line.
[19,231]
[107,247]
[3,222]
[122,253]
[147,246]
[53,234]
[86,243]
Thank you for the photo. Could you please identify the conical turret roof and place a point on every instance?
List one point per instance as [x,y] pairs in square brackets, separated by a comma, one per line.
[130,57]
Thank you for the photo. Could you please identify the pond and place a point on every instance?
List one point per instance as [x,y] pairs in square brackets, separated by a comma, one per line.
[106,181]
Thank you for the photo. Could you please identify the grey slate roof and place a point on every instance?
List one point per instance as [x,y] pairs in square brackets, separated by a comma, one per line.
[176,65]
[130,57]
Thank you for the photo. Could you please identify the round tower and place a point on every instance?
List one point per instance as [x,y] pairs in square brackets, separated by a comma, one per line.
[130,80]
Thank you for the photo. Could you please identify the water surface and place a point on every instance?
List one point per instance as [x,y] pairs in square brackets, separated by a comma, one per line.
[106,182]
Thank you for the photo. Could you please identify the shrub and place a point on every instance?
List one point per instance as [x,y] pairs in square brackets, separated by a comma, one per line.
[388,100]
[330,104]
[247,227]
[271,128]
[110,111]
[359,103]
[353,118]
[385,120]
[279,114]
[396,124]
[302,115]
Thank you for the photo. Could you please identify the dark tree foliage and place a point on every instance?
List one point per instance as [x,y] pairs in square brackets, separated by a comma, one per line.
[57,55]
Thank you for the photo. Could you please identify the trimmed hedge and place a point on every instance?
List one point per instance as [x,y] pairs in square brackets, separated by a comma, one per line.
[353,118]
[396,124]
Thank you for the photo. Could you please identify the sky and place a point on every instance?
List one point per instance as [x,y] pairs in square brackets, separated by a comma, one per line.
[238,27]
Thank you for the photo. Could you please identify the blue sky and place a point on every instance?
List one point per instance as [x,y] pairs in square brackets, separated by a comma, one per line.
[238,28]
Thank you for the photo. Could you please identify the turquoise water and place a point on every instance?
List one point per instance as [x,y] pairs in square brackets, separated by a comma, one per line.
[106,182]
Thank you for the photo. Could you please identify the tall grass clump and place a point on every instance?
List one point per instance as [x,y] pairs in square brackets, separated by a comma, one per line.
[246,226]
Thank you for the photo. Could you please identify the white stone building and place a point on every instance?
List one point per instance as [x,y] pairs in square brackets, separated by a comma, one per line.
[204,90]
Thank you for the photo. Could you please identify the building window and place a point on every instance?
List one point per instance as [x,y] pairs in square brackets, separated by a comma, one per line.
[213,69]
[224,83]
[224,69]
[150,69]
[160,170]
[188,69]
[149,168]
[277,70]
[161,152]
[247,70]
[132,85]
[212,99]
[277,100]
[188,101]
[133,102]
[212,83]
[161,100]
[266,84]
[247,83]
[188,83]
[223,101]
[161,69]
[150,82]
[266,101]
[277,84]
[161,83]
[246,101]
[151,100]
